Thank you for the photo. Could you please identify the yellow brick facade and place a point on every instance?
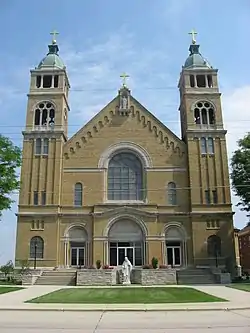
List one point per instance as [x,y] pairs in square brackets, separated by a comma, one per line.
[172,225]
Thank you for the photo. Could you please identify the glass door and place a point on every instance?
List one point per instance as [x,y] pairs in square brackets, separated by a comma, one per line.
[81,256]
[74,256]
[130,254]
[121,254]
[177,256]
[77,256]
[174,255]
[170,256]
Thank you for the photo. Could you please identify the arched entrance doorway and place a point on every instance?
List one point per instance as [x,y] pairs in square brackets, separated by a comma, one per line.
[126,239]
[77,240]
[175,247]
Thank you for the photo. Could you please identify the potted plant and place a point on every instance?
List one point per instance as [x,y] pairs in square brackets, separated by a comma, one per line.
[154,262]
[98,264]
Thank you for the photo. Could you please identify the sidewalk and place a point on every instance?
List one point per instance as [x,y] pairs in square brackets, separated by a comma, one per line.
[238,300]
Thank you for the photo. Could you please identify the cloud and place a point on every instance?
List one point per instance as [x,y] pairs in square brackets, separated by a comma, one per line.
[236,115]
[95,73]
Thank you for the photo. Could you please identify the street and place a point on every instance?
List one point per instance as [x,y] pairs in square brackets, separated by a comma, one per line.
[125,322]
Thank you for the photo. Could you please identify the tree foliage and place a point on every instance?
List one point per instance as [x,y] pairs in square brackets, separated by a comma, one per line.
[10,160]
[240,174]
[7,268]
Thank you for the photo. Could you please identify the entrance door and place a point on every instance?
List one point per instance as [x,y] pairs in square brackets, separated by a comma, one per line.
[125,252]
[174,255]
[77,256]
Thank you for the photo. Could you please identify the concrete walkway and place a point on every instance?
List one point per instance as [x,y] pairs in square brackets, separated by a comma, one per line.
[237,300]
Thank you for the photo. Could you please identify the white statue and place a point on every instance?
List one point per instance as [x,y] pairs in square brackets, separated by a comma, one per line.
[126,271]
[124,102]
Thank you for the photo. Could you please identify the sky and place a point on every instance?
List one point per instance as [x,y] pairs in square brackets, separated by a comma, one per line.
[99,40]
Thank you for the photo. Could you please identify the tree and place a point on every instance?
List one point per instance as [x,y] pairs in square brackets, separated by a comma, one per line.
[7,268]
[240,173]
[10,160]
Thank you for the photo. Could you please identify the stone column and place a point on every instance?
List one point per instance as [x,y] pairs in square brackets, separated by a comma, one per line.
[68,254]
[105,253]
[65,253]
[163,251]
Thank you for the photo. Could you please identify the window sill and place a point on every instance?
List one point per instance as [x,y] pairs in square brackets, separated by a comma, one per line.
[207,154]
[215,228]
[37,259]
[142,202]
[41,155]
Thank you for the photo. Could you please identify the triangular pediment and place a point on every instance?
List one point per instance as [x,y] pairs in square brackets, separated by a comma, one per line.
[124,210]
[111,116]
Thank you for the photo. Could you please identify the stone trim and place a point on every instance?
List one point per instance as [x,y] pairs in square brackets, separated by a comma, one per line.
[125,146]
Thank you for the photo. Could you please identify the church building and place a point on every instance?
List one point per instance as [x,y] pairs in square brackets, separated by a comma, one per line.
[124,184]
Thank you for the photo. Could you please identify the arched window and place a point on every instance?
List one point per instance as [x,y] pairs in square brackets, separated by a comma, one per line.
[45,114]
[204,113]
[172,198]
[214,246]
[125,177]
[78,194]
[36,247]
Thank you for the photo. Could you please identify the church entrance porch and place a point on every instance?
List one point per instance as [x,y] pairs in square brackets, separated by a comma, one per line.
[175,246]
[125,239]
[76,247]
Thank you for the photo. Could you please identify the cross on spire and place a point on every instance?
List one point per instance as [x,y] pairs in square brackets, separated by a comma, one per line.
[193,33]
[54,33]
[124,76]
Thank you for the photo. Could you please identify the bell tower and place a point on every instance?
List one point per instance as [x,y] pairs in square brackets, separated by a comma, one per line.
[45,131]
[203,131]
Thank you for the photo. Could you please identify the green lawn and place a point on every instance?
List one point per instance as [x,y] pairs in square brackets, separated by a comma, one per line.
[126,295]
[4,290]
[241,286]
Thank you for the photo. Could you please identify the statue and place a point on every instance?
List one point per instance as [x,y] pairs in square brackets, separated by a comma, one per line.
[126,271]
[124,102]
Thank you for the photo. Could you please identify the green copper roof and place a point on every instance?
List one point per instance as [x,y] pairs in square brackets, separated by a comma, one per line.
[195,59]
[52,59]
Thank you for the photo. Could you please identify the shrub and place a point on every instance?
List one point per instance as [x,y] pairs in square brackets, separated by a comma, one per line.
[163,267]
[154,262]
[147,267]
[98,264]
[107,267]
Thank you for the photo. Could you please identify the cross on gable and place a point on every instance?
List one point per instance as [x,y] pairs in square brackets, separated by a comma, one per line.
[124,76]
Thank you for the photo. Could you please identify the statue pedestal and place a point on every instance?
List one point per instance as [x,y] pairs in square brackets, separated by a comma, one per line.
[126,283]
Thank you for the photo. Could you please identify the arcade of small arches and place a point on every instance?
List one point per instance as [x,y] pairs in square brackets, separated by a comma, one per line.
[124,236]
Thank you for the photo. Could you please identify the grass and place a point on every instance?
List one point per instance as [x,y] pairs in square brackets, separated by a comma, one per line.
[126,296]
[241,286]
[4,290]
